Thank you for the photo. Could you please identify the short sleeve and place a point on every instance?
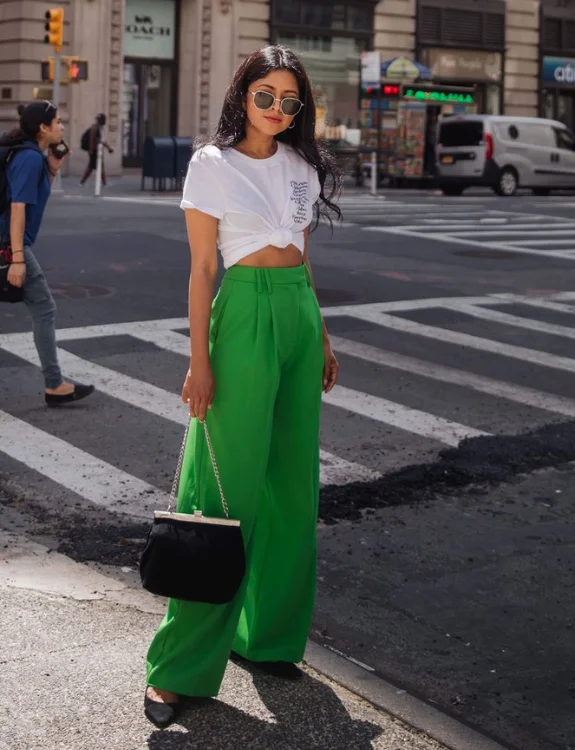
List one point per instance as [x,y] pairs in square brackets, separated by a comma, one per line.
[314,186]
[202,188]
[24,174]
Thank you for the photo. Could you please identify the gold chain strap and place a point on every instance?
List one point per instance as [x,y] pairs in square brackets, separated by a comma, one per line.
[173,493]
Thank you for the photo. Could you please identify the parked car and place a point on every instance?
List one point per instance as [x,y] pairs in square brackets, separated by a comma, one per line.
[504,153]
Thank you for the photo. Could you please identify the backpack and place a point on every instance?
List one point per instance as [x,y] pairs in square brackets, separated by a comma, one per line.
[6,154]
[85,139]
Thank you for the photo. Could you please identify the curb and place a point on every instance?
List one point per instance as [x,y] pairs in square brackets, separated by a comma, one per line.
[399,703]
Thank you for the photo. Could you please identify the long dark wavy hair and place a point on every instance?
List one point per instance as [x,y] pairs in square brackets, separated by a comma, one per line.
[33,115]
[231,128]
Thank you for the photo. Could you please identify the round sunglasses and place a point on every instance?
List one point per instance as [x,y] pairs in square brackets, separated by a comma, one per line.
[265,100]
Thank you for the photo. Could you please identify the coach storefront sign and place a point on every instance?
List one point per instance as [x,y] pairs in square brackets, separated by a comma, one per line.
[150,29]
[559,71]
[464,65]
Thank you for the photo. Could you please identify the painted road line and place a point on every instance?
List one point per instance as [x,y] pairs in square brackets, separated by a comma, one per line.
[99,482]
[403,417]
[543,243]
[447,336]
[162,403]
[406,305]
[479,383]
[381,410]
[450,239]
[544,304]
[526,231]
[514,320]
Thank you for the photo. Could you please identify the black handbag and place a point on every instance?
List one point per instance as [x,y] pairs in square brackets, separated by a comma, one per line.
[190,556]
[8,292]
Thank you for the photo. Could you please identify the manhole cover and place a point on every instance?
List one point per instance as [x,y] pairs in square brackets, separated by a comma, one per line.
[334,296]
[81,291]
[492,254]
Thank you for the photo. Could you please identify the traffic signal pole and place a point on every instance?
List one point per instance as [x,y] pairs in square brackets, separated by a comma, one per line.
[57,184]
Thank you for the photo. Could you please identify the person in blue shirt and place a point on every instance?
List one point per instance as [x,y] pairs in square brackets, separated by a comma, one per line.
[30,175]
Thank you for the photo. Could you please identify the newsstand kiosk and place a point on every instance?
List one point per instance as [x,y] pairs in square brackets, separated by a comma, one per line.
[399,122]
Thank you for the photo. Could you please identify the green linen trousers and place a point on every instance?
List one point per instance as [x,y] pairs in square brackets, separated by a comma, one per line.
[267,359]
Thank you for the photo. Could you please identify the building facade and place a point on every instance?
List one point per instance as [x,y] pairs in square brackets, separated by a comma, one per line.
[160,67]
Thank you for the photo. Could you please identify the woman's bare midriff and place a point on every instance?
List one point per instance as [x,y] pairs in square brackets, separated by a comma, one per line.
[273,257]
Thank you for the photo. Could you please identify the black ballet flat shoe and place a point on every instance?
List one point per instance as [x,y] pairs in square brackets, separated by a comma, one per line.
[79,392]
[161,714]
[287,670]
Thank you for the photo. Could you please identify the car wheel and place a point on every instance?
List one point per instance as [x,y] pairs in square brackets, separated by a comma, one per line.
[508,183]
[451,189]
[541,191]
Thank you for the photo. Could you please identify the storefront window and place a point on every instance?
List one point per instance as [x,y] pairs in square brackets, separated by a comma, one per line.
[333,65]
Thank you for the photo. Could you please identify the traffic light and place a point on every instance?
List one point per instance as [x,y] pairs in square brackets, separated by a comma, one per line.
[55,28]
[48,69]
[77,70]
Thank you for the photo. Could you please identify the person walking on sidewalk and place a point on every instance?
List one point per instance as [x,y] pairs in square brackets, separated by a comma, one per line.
[29,175]
[90,140]
[260,356]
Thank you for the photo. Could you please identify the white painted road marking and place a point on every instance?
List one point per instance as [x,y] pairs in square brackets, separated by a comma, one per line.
[99,482]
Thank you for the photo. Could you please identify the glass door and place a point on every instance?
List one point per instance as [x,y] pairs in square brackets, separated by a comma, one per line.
[147,106]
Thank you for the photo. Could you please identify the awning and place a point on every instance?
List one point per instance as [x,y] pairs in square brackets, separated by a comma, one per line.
[404,69]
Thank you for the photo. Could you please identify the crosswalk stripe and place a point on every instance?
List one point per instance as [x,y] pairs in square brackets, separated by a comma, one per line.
[445,335]
[514,320]
[99,482]
[551,231]
[162,403]
[455,240]
[481,229]
[544,304]
[374,407]
[404,417]
[498,388]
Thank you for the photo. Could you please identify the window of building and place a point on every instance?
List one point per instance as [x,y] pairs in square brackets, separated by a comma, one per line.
[329,39]
[467,26]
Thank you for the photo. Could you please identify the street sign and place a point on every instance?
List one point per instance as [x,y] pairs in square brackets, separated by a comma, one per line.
[370,68]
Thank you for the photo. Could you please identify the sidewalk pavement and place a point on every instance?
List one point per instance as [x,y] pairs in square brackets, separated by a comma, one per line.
[73,648]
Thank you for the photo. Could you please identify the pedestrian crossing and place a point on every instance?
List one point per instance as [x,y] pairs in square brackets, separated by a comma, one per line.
[416,376]
[473,222]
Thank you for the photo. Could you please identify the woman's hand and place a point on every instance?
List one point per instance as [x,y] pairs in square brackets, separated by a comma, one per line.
[330,367]
[54,164]
[17,274]
[199,389]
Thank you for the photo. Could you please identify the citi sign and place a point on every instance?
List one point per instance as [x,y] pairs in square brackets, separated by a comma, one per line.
[565,74]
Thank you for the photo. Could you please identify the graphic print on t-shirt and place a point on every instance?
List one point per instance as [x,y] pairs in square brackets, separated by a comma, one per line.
[300,197]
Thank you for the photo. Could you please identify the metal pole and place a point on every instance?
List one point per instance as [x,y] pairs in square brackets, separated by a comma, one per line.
[374,172]
[99,161]
[57,184]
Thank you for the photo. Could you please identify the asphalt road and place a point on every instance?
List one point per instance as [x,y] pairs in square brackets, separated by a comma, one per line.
[446,538]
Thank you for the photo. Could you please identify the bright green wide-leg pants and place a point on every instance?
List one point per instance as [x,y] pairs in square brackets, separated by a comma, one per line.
[267,360]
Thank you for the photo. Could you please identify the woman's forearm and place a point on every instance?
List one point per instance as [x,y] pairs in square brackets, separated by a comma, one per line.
[17,225]
[201,294]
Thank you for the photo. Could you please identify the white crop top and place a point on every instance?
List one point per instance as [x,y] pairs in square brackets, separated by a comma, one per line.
[258,202]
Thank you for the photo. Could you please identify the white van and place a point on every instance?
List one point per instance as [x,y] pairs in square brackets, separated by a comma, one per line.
[504,153]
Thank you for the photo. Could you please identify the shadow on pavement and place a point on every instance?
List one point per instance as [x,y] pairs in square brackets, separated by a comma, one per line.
[305,714]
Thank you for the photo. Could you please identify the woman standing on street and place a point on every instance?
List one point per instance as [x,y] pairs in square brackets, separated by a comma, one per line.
[29,175]
[260,357]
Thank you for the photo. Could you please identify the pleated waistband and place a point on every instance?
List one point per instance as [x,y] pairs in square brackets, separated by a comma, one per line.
[266,278]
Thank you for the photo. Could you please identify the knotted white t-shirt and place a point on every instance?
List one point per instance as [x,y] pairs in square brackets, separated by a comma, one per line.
[258,202]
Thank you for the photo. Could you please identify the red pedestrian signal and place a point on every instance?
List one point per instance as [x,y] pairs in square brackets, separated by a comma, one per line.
[77,70]
[55,28]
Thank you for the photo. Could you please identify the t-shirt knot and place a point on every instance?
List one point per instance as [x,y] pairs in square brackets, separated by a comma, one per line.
[281,238]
